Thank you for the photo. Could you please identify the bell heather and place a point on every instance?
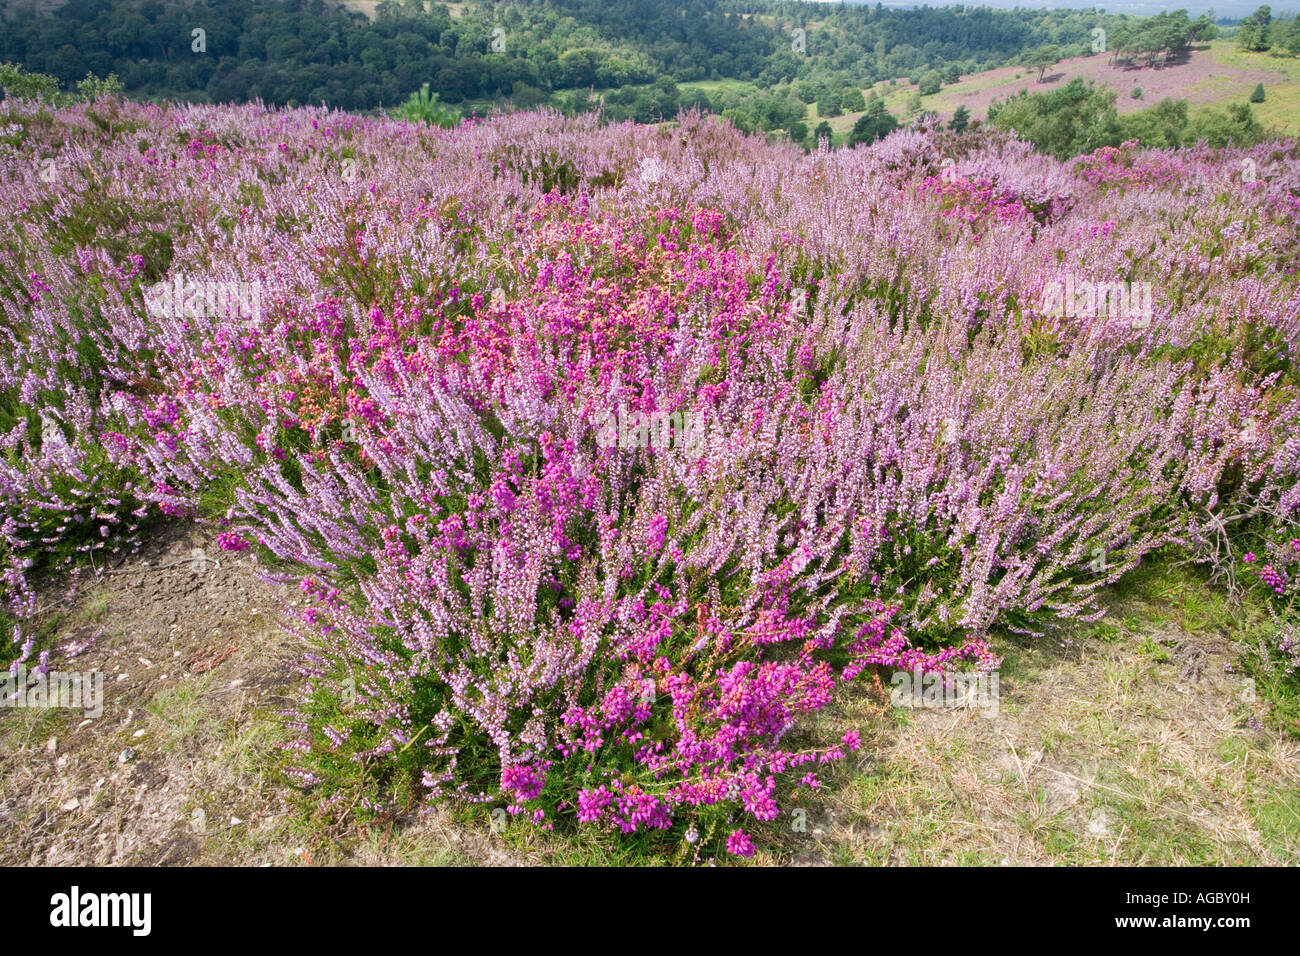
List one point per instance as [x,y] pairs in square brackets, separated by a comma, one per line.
[394,389]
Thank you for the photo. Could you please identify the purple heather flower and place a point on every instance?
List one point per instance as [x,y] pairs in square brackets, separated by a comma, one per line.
[740,844]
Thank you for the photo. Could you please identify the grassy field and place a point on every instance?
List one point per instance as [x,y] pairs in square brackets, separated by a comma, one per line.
[1215,75]
[1281,107]
[713,87]
[368,7]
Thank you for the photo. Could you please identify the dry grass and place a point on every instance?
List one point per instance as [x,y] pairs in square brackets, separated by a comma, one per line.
[1127,743]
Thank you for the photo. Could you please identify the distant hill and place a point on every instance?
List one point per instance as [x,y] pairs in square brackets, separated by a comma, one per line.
[804,70]
[363,55]
[1215,74]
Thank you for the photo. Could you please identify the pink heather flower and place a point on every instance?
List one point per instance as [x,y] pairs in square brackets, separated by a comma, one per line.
[230,541]
[807,358]
[592,804]
[524,780]
[1249,557]
[1273,578]
[740,844]
[655,538]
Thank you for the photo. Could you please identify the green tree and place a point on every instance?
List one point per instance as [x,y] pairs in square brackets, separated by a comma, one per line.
[1161,126]
[929,83]
[1284,36]
[1235,126]
[851,100]
[578,68]
[1076,118]
[424,107]
[92,87]
[1253,33]
[960,120]
[1257,94]
[828,106]
[1040,58]
[18,83]
[875,123]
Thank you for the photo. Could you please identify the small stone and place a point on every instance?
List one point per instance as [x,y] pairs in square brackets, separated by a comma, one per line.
[52,744]
[127,755]
[138,734]
[1098,824]
[70,805]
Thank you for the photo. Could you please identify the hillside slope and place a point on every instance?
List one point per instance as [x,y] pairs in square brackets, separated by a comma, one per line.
[600,475]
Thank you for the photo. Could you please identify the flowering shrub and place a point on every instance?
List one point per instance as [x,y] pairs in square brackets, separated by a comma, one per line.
[382,358]
[974,200]
[1276,575]
[1123,166]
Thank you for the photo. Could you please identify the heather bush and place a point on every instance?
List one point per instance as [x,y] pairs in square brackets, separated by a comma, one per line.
[1271,574]
[603,455]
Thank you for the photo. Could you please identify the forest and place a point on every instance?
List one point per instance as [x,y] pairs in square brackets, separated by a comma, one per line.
[290,52]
